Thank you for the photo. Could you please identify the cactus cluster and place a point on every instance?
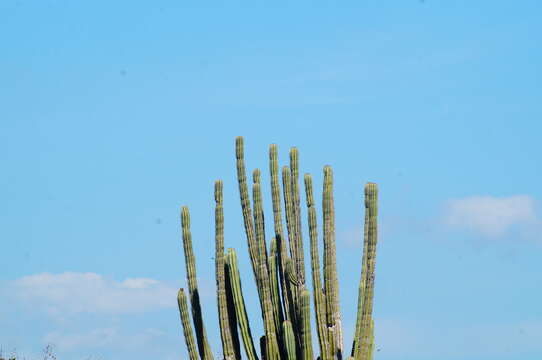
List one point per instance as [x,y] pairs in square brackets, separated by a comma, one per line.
[279,273]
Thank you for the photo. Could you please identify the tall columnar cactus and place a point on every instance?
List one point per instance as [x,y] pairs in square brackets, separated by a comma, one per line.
[306,342]
[279,275]
[187,327]
[278,227]
[318,293]
[201,336]
[227,320]
[331,282]
[239,301]
[363,339]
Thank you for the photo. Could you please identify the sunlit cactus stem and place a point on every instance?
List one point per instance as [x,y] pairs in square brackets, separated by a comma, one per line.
[289,340]
[239,301]
[271,336]
[228,332]
[331,284]
[306,334]
[187,327]
[299,260]
[364,337]
[319,301]
[201,336]
[278,227]
[245,206]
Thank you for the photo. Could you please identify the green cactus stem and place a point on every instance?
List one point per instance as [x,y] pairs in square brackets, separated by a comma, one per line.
[228,332]
[319,302]
[187,327]
[371,200]
[275,292]
[333,312]
[277,220]
[306,334]
[299,260]
[289,340]
[239,303]
[201,336]
[245,206]
[264,282]
[358,332]
[290,270]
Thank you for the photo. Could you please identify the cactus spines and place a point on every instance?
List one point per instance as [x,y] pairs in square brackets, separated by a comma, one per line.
[306,342]
[228,332]
[197,317]
[187,327]
[319,302]
[330,263]
[239,302]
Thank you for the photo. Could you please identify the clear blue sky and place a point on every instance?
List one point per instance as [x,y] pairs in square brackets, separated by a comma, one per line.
[113,114]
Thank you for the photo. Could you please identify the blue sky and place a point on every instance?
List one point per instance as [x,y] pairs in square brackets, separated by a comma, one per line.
[114,114]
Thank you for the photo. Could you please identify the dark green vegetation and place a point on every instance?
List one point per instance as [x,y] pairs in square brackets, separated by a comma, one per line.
[279,273]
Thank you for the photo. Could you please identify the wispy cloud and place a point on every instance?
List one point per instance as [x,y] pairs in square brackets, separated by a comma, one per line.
[491,216]
[92,293]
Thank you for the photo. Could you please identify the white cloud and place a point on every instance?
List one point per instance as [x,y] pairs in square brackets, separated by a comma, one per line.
[92,293]
[491,216]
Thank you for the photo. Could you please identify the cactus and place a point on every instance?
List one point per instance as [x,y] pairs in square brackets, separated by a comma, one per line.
[306,342]
[333,312]
[228,331]
[319,302]
[280,275]
[363,340]
[240,309]
[201,336]
[187,328]
[289,339]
